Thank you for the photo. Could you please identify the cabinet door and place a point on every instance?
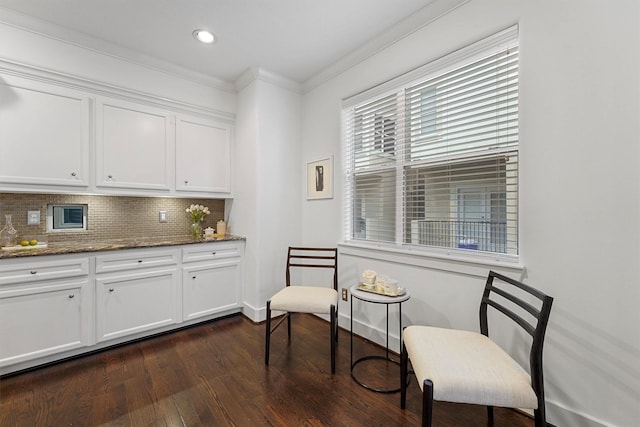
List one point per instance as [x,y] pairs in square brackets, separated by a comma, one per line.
[133,146]
[203,156]
[210,288]
[137,302]
[44,136]
[49,318]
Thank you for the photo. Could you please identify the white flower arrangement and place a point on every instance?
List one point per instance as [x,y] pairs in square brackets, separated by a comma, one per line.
[197,212]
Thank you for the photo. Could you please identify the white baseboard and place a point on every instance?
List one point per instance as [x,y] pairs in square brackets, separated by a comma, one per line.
[561,416]
[375,335]
[255,314]
[370,333]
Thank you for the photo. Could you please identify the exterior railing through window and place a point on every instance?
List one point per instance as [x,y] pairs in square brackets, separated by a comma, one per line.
[488,236]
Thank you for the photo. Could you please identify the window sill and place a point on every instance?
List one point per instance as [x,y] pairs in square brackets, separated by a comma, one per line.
[453,261]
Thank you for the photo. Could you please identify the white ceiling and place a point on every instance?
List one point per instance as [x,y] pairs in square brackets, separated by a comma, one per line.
[296,39]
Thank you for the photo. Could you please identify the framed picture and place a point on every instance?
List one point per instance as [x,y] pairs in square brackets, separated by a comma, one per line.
[320,179]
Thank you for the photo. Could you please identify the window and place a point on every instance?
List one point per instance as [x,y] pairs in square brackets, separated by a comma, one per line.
[432,158]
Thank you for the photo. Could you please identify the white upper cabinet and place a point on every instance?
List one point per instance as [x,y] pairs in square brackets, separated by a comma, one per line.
[133,146]
[44,135]
[63,135]
[203,156]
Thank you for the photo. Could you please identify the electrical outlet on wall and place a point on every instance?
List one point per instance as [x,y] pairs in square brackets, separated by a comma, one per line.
[345,294]
[33,217]
[163,216]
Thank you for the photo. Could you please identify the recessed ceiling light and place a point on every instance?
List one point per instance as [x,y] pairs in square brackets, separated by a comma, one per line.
[204,36]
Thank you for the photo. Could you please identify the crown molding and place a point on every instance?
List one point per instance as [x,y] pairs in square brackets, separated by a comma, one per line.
[66,80]
[433,11]
[260,74]
[425,16]
[101,47]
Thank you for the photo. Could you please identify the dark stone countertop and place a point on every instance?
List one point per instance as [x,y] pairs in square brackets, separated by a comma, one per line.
[110,245]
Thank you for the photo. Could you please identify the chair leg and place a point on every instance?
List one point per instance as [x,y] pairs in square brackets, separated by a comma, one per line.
[267,342]
[540,417]
[490,413]
[288,325]
[337,327]
[333,338]
[427,403]
[403,376]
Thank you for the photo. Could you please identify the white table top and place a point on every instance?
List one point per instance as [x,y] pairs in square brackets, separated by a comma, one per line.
[377,298]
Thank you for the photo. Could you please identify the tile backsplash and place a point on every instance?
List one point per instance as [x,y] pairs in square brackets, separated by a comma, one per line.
[108,217]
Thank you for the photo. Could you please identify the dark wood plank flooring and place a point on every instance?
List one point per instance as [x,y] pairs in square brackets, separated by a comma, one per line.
[213,374]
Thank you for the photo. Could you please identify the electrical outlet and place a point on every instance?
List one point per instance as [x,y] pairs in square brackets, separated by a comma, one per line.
[345,294]
[33,217]
[163,216]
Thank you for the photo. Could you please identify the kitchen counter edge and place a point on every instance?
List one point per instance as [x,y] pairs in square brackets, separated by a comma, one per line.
[110,245]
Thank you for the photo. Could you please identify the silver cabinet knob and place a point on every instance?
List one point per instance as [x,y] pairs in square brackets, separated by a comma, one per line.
[73,174]
[111,290]
[71,296]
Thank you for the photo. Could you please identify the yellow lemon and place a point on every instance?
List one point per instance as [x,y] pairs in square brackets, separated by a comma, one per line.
[33,242]
[24,243]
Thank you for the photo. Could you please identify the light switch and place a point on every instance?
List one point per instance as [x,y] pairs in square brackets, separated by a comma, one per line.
[163,216]
[33,217]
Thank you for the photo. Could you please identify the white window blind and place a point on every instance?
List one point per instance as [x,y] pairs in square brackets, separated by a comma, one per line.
[434,162]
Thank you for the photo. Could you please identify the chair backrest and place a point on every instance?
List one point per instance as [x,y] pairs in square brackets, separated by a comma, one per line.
[535,323]
[313,258]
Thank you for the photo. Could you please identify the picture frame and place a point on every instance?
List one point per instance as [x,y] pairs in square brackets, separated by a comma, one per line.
[320,179]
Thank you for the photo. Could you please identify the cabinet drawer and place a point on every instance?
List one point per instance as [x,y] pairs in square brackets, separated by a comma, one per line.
[122,261]
[30,271]
[209,252]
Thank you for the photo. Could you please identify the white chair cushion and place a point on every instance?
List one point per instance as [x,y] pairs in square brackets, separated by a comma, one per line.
[305,299]
[467,367]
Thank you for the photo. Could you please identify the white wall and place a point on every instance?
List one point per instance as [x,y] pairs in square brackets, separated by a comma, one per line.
[267,208]
[580,195]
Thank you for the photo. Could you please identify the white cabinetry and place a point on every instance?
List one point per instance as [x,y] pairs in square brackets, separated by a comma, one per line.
[211,279]
[203,156]
[133,146]
[58,306]
[59,134]
[45,307]
[136,291]
[44,135]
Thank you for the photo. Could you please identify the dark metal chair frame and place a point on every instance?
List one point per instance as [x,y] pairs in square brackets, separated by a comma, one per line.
[536,331]
[302,257]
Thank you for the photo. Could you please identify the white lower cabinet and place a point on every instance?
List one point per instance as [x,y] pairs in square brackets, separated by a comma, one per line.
[135,302]
[211,279]
[52,307]
[40,318]
[136,291]
[210,288]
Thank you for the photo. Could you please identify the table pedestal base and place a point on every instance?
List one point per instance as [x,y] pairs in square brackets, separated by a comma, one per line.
[378,390]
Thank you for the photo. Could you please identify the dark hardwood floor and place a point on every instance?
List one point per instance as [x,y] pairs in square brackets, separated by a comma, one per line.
[213,374]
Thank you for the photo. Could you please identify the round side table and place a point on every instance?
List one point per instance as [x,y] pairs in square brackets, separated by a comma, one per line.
[374,298]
